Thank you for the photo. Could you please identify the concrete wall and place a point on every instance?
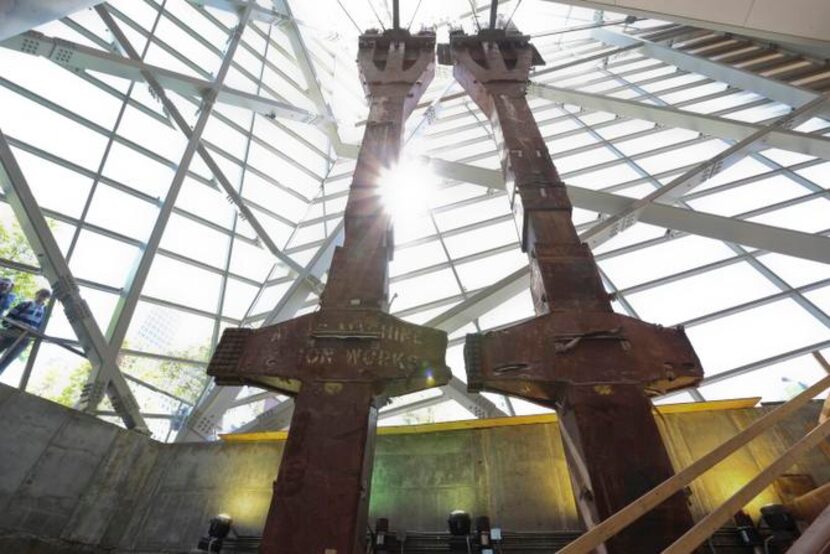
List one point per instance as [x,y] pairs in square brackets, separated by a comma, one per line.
[66,477]
[70,482]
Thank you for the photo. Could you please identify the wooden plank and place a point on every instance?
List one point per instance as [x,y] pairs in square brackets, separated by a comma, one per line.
[816,539]
[660,493]
[825,410]
[715,520]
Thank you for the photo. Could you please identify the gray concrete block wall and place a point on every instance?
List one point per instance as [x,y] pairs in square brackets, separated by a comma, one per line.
[71,483]
[66,478]
[28,426]
[191,483]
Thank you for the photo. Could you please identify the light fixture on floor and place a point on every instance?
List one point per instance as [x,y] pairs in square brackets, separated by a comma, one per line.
[220,526]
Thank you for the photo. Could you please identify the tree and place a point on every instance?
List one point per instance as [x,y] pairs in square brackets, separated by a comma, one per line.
[63,384]
[14,247]
[178,378]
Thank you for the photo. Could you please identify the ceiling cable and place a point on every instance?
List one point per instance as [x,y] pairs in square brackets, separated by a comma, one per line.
[356,26]
[506,25]
[474,9]
[412,20]
[374,11]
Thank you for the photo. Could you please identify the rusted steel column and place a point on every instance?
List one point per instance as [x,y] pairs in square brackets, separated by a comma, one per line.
[595,367]
[323,482]
[346,359]
[614,433]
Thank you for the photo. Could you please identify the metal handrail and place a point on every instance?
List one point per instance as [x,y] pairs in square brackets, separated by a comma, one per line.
[30,331]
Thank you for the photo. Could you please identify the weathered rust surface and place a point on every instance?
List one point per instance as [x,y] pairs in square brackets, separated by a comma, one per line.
[595,367]
[617,349]
[333,345]
[341,362]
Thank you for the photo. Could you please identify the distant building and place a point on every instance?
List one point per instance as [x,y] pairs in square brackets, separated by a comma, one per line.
[157,332]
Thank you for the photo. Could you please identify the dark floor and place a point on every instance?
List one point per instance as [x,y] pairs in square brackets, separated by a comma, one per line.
[723,542]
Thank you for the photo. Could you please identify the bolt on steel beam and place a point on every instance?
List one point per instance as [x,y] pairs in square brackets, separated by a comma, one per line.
[105,377]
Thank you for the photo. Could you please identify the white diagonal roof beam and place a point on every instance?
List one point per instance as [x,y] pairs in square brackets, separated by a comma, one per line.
[815,247]
[765,271]
[281,14]
[209,411]
[73,55]
[756,365]
[689,180]
[128,301]
[315,92]
[806,143]
[214,168]
[757,235]
[106,376]
[271,16]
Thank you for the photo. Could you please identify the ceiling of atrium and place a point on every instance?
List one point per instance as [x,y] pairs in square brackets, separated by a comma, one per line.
[168,254]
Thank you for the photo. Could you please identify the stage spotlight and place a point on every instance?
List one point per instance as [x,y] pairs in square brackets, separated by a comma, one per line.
[459,523]
[747,531]
[779,519]
[381,534]
[220,526]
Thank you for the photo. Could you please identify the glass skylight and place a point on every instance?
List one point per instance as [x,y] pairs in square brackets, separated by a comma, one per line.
[100,151]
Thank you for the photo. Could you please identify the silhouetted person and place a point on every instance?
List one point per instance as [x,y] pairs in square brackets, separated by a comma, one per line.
[25,316]
[7,297]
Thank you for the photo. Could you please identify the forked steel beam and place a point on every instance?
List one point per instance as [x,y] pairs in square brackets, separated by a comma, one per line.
[595,367]
[221,399]
[101,355]
[712,226]
[341,362]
